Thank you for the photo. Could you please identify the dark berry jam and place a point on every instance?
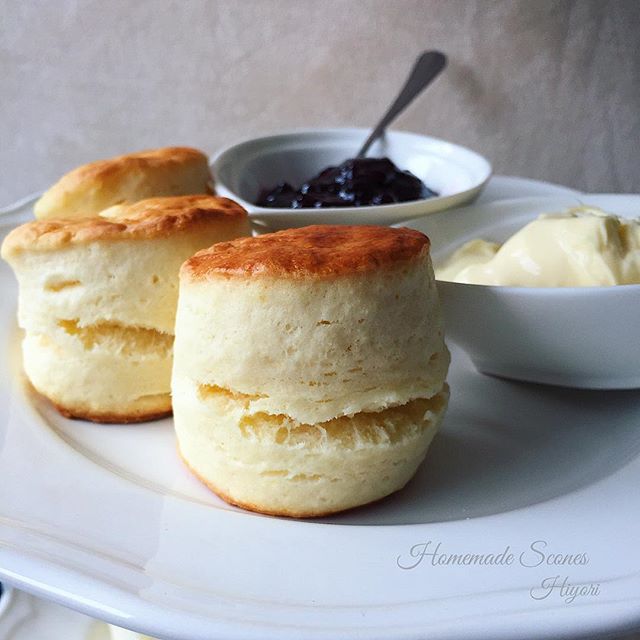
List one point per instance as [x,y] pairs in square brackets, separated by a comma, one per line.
[360,182]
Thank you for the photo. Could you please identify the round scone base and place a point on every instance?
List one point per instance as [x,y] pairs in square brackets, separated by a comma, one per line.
[286,513]
[158,408]
[313,476]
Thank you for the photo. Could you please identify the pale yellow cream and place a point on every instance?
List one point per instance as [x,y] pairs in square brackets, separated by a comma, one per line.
[580,247]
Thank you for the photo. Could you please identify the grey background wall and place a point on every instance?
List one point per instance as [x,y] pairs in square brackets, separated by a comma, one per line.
[545,88]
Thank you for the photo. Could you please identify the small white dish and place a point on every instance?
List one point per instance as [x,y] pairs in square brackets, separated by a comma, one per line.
[243,170]
[587,337]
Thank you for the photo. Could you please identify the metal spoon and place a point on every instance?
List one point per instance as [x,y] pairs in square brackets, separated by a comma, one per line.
[427,67]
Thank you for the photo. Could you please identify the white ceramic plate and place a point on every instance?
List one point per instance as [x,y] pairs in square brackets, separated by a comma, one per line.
[105,519]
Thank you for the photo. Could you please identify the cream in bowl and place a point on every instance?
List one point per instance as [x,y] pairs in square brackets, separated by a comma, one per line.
[578,247]
[562,320]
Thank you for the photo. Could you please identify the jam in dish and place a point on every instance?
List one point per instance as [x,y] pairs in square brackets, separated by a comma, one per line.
[358,182]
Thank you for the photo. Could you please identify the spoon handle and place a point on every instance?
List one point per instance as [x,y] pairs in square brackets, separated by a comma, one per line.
[427,67]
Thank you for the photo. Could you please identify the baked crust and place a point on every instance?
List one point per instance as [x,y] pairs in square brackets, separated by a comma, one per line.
[151,218]
[149,159]
[76,413]
[319,251]
[104,178]
[287,513]
[152,408]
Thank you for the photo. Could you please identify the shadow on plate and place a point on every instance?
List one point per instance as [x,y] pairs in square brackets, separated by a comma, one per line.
[506,445]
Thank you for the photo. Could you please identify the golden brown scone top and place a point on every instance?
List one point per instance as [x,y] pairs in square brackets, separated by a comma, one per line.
[149,158]
[130,177]
[151,218]
[319,251]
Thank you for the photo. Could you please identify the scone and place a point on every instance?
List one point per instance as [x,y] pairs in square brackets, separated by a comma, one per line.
[87,190]
[310,365]
[97,301]
[118,633]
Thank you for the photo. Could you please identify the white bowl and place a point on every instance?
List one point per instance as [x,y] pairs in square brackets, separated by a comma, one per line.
[243,170]
[587,337]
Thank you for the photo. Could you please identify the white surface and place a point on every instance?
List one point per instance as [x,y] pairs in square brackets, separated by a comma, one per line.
[23,617]
[508,187]
[243,170]
[585,337]
[106,519]
[30,618]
